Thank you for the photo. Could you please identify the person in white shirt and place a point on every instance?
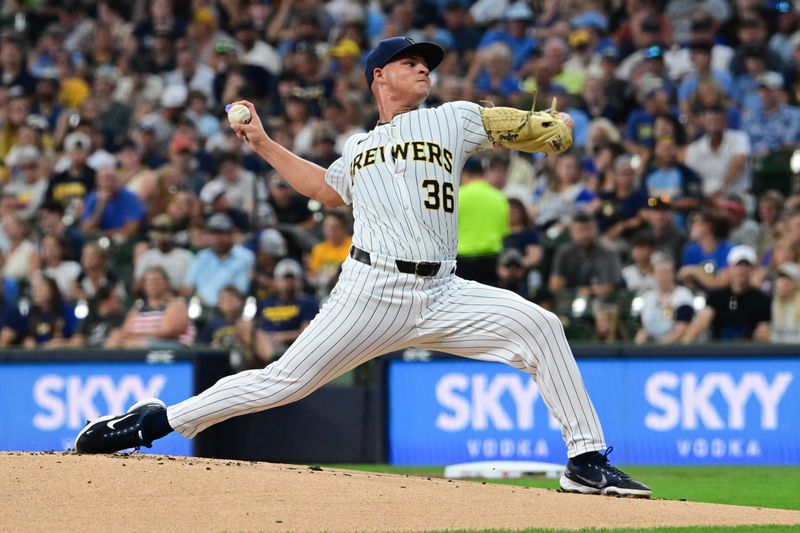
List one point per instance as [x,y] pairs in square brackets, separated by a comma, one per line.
[667,309]
[720,156]
[786,304]
[237,182]
[638,276]
[51,263]
[255,51]
[164,254]
[191,73]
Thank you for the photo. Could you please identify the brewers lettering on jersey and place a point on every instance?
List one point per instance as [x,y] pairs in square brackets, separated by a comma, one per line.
[399,287]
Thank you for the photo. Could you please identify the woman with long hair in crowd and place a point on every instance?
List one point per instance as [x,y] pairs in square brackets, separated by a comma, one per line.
[95,273]
[52,262]
[50,321]
[159,320]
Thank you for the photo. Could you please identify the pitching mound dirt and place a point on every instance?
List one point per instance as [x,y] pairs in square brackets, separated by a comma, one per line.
[67,492]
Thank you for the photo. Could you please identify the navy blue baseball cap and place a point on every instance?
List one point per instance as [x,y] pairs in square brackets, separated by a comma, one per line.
[389,49]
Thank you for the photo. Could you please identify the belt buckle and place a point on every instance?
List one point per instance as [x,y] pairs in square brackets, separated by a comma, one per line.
[425,268]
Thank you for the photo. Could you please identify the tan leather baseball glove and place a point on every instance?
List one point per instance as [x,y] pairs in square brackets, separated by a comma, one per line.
[527,131]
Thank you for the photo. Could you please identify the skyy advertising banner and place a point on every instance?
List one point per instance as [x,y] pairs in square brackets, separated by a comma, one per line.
[43,406]
[655,411]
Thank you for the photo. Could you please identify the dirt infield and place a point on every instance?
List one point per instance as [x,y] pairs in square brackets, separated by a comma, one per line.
[67,492]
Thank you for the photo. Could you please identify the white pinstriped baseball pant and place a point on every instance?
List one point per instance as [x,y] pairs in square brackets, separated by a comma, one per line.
[375,310]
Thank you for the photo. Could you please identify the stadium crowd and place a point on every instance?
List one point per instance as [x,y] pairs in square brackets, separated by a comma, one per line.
[133,216]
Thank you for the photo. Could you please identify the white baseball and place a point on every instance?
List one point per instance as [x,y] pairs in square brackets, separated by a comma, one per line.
[239,114]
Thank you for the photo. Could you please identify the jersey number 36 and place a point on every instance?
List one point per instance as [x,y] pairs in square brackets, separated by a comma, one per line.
[439,195]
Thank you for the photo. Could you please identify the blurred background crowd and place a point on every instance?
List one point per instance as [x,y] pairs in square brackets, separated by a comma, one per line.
[133,216]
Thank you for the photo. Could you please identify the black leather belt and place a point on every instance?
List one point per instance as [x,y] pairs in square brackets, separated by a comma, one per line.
[423,268]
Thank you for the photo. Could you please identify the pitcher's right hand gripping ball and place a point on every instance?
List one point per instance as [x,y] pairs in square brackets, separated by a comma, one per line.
[528,131]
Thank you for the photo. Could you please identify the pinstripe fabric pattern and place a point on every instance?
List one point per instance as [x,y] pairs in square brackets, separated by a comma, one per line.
[373,311]
[388,197]
[376,309]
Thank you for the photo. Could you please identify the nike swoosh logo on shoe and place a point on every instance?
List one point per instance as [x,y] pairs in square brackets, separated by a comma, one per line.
[111,423]
[599,484]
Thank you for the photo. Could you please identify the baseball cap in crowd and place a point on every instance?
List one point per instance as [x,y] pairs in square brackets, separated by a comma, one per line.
[660,203]
[610,53]
[734,204]
[578,38]
[702,23]
[648,85]
[161,227]
[271,242]
[651,25]
[148,124]
[211,191]
[181,143]
[77,141]
[741,253]
[519,11]
[770,80]
[346,48]
[22,155]
[654,52]
[510,257]
[791,270]
[37,122]
[288,267]
[592,19]
[701,46]
[174,96]
[219,223]
[473,166]
[389,49]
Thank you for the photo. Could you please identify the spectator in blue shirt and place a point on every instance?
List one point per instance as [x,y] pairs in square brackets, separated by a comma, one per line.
[776,126]
[704,258]
[669,178]
[285,315]
[513,34]
[745,86]
[639,127]
[112,209]
[224,263]
[465,37]
[700,52]
[495,76]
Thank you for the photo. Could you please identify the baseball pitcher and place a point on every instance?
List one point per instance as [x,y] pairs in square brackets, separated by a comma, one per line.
[399,286]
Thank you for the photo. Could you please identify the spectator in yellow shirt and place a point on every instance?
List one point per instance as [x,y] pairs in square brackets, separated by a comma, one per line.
[328,256]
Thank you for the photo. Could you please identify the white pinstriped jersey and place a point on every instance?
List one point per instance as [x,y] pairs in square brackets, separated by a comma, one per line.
[402,180]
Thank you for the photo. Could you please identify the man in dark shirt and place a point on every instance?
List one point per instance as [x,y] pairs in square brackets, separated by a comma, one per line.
[285,315]
[79,179]
[12,325]
[737,312]
[105,315]
[659,223]
[585,264]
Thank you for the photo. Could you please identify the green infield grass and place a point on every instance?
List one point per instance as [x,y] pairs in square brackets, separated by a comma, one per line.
[756,486]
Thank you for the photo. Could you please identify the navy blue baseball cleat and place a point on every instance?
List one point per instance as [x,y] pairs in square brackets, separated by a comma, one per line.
[591,473]
[109,434]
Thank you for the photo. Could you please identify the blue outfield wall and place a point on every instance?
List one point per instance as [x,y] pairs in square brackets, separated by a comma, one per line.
[43,405]
[655,411]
